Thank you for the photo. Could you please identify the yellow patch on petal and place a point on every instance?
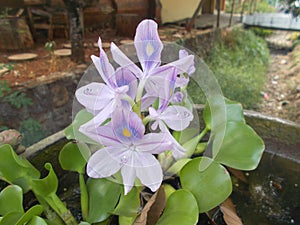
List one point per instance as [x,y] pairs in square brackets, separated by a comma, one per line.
[149,49]
[126,132]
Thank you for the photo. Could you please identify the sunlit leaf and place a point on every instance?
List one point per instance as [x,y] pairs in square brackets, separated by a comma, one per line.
[47,185]
[72,131]
[242,148]
[15,169]
[129,204]
[103,197]
[11,199]
[74,156]
[181,208]
[210,187]
[168,190]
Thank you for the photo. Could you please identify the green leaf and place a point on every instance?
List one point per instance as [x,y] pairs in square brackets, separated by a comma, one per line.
[11,218]
[210,187]
[168,190]
[84,223]
[103,197]
[123,220]
[32,212]
[129,204]
[15,169]
[242,148]
[36,220]
[72,131]
[48,185]
[74,157]
[191,145]
[181,208]
[177,166]
[11,199]
[234,112]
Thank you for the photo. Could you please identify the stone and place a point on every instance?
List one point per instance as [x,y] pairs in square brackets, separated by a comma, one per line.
[60,95]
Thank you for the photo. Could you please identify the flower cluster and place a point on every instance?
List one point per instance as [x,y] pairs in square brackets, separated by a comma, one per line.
[132,99]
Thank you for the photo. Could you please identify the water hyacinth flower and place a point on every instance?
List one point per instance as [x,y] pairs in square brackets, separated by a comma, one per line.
[117,105]
[129,150]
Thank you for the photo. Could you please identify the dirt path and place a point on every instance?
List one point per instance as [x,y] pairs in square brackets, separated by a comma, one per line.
[282,91]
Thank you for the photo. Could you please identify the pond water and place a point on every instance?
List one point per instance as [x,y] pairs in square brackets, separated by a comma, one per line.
[271,193]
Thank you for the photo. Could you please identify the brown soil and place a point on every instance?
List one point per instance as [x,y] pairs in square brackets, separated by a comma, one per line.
[282,90]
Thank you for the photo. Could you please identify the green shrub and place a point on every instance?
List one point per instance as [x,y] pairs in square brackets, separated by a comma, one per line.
[239,62]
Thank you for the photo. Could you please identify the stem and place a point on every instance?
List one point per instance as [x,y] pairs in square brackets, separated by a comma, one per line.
[137,107]
[50,214]
[83,197]
[53,202]
[63,212]
[146,120]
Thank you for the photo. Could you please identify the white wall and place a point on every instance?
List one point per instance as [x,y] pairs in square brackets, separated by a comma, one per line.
[174,10]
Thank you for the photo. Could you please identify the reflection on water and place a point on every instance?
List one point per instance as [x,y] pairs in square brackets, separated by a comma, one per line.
[271,195]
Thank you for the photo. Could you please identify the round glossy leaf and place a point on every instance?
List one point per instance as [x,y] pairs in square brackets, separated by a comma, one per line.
[210,186]
[181,208]
[242,148]
[11,200]
[103,197]
[74,157]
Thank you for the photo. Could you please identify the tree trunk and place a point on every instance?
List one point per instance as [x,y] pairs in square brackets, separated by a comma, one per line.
[76,30]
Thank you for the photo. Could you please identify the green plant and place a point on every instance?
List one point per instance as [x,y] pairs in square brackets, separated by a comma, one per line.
[18,99]
[239,62]
[4,88]
[32,131]
[261,31]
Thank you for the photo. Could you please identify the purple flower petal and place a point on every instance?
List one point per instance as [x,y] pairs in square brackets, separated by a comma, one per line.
[103,66]
[128,126]
[125,77]
[94,96]
[154,143]
[128,175]
[148,45]
[105,162]
[101,134]
[150,172]
[177,117]
[120,58]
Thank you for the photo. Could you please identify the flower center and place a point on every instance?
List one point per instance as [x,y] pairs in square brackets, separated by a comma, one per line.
[126,132]
[149,49]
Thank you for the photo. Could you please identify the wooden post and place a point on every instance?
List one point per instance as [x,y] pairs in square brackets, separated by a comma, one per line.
[191,22]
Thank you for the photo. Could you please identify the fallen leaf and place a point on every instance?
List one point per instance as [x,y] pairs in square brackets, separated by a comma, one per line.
[229,213]
[238,174]
[153,209]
